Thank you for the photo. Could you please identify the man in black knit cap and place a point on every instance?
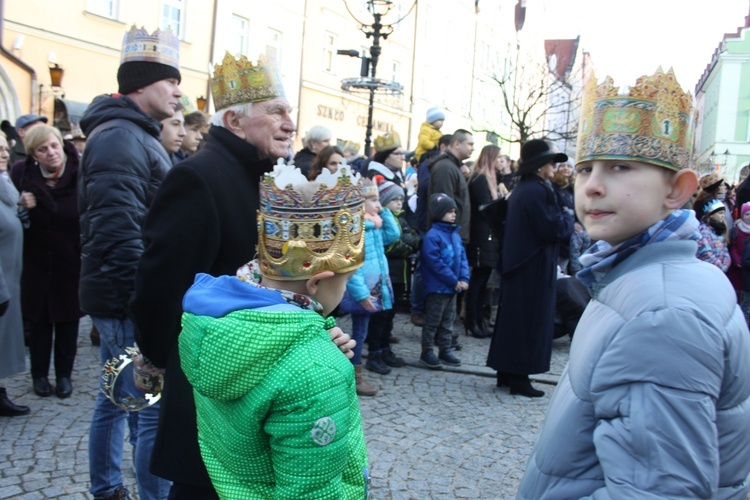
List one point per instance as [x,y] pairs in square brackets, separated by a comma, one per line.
[117,180]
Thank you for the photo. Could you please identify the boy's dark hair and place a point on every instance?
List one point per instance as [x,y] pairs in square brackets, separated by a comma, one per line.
[445,140]
[196,118]
[460,135]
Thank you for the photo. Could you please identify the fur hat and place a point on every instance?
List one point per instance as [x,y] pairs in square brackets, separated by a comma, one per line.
[537,153]
[711,181]
[440,204]
[435,114]
[388,190]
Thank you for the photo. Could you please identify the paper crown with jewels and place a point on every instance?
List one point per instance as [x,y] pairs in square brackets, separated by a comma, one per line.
[239,81]
[159,47]
[388,141]
[305,228]
[651,122]
[187,107]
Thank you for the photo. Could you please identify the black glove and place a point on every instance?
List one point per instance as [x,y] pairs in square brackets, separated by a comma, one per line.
[4,307]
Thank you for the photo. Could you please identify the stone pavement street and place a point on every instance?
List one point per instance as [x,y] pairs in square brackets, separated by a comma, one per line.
[430,434]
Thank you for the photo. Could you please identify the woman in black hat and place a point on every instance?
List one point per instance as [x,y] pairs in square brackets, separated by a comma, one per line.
[535,225]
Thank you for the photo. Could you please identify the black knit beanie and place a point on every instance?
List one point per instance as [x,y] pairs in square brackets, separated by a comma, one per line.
[440,204]
[135,75]
[383,155]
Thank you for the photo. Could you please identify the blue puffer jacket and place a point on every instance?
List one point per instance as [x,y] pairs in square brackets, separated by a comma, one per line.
[373,277]
[443,257]
[655,401]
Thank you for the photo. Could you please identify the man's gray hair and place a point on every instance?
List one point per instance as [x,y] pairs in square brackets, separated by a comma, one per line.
[240,109]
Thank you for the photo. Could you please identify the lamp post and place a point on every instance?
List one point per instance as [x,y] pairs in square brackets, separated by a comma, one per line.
[201,101]
[367,79]
[56,73]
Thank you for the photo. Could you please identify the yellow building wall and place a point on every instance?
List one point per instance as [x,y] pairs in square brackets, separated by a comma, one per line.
[88,46]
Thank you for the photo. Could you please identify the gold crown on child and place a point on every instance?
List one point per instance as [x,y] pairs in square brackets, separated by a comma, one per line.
[239,81]
[158,47]
[305,228]
[651,122]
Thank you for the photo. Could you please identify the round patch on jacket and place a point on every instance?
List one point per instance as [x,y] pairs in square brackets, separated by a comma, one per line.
[324,431]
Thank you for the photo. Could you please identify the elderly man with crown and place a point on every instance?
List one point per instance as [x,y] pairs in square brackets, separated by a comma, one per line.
[203,220]
[118,177]
[277,409]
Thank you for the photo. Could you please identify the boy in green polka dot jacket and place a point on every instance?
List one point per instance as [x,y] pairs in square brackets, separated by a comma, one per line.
[278,415]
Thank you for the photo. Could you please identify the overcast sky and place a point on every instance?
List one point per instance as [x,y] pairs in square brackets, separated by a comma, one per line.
[633,37]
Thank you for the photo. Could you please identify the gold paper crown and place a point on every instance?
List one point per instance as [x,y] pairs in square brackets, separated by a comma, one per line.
[159,47]
[187,106]
[387,141]
[651,122]
[369,188]
[239,81]
[301,232]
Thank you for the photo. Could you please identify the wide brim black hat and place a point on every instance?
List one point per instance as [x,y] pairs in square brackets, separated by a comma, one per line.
[537,153]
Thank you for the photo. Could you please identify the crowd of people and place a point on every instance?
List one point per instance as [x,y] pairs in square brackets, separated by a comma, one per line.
[149,217]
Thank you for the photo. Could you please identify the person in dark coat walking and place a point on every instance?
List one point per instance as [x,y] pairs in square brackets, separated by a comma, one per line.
[47,181]
[484,248]
[535,225]
[203,220]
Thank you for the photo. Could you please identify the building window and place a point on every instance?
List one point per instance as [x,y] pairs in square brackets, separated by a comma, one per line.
[173,17]
[273,45]
[329,51]
[106,8]
[239,36]
[396,71]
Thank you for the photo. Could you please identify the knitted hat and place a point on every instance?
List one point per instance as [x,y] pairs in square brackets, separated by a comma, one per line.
[435,114]
[537,153]
[388,190]
[132,76]
[745,207]
[440,204]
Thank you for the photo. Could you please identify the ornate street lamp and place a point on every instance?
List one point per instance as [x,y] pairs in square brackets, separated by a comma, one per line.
[56,73]
[368,82]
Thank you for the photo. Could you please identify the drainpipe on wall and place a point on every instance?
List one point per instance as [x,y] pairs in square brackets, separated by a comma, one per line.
[16,60]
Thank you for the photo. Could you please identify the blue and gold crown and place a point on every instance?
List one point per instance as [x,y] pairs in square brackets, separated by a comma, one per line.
[159,47]
[305,228]
[651,122]
[239,81]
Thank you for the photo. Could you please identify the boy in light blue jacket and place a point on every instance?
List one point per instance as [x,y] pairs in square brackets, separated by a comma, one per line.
[655,400]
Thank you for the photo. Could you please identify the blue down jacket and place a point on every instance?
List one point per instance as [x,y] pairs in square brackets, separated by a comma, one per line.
[373,277]
[443,257]
[655,400]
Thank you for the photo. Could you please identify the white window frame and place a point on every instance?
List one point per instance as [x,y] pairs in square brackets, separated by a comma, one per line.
[329,52]
[274,44]
[100,8]
[178,5]
[240,31]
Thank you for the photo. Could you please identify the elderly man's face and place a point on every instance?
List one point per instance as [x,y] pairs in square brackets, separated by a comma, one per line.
[269,127]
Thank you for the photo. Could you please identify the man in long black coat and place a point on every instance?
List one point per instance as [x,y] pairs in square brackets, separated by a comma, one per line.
[203,220]
[535,224]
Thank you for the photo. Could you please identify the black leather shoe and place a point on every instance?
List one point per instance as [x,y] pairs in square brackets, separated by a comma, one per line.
[64,388]
[8,408]
[473,329]
[42,387]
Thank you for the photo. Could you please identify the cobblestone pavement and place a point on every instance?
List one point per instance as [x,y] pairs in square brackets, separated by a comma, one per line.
[430,434]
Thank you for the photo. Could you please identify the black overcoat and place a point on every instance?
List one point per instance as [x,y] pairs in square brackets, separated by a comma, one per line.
[522,343]
[484,247]
[52,242]
[202,220]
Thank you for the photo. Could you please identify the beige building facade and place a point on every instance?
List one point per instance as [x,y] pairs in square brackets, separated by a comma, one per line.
[443,53]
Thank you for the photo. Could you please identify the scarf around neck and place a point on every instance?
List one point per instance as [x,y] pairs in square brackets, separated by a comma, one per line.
[250,273]
[602,257]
